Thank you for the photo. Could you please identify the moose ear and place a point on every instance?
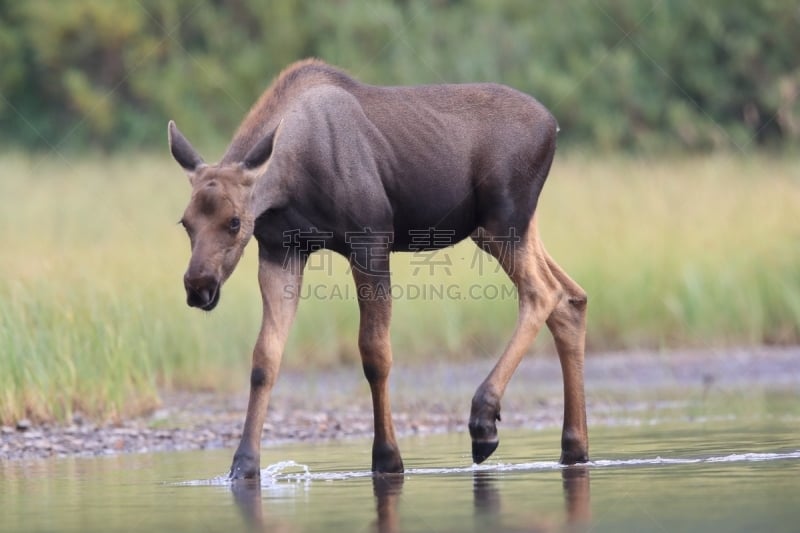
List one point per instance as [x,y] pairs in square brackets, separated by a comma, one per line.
[183,152]
[258,156]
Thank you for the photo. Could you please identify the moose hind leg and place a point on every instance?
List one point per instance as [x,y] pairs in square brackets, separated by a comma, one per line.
[538,293]
[375,307]
[567,323]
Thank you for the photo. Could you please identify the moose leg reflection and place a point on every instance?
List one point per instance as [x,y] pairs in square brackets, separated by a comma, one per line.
[575,479]
[577,494]
[387,489]
[247,495]
[486,495]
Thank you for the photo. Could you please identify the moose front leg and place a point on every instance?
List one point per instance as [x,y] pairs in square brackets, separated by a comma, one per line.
[280,290]
[374,301]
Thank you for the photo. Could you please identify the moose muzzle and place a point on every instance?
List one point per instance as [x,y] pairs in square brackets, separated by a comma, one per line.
[202,291]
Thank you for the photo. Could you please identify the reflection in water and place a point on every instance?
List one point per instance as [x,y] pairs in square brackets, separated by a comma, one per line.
[486,495]
[387,489]
[575,480]
[247,495]
[751,469]
[577,494]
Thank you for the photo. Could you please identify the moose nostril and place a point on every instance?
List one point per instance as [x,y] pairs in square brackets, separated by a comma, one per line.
[201,291]
[195,299]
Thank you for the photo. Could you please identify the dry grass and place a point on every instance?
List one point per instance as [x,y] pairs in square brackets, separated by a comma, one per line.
[693,251]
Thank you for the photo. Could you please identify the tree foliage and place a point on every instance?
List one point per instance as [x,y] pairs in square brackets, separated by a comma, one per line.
[631,74]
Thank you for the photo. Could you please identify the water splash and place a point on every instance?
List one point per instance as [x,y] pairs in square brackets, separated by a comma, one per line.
[283,473]
[275,470]
[753,457]
[216,481]
[269,476]
[732,458]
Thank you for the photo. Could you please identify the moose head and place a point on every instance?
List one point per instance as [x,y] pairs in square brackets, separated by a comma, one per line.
[220,217]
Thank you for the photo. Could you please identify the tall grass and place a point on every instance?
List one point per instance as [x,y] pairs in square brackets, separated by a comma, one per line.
[688,252]
[692,251]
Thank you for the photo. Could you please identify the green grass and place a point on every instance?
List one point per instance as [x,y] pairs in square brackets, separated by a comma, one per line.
[688,252]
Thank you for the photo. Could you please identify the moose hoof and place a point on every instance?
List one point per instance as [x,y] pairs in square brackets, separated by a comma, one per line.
[574,448]
[481,450]
[571,457]
[386,460]
[245,466]
[483,430]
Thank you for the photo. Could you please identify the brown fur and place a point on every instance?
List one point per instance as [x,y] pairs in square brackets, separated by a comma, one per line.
[322,155]
[264,114]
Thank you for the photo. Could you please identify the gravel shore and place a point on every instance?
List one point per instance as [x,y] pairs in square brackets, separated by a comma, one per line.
[335,404]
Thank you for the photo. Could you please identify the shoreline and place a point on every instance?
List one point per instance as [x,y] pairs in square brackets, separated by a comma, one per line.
[334,404]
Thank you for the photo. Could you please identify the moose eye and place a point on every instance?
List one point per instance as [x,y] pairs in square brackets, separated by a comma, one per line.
[235,224]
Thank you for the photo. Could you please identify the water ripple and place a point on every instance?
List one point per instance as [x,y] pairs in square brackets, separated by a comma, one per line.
[291,471]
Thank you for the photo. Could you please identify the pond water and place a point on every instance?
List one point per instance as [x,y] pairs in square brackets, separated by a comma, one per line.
[714,476]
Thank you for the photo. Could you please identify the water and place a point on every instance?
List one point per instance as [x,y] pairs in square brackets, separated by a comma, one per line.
[714,476]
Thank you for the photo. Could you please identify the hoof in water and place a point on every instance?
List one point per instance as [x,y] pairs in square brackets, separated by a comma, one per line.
[386,459]
[574,448]
[245,467]
[388,467]
[571,458]
[481,450]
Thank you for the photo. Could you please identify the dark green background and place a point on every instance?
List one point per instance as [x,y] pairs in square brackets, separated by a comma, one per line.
[641,75]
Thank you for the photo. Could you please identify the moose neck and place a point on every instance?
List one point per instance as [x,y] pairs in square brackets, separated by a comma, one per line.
[267,112]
